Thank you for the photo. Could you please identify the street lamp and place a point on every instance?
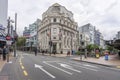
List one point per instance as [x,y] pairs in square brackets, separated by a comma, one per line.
[15,34]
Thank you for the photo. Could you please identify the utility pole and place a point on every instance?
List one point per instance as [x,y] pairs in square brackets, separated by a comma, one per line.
[50,41]
[15,33]
[8,34]
[71,44]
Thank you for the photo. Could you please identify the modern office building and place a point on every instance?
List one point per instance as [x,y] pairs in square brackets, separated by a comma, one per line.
[3,12]
[58,30]
[118,35]
[93,36]
[97,37]
[3,21]
[30,33]
[84,40]
[89,30]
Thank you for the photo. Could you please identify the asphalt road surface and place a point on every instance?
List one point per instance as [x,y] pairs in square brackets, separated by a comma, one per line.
[31,67]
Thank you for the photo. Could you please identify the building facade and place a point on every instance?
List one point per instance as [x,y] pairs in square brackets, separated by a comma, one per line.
[118,35]
[93,36]
[3,12]
[84,40]
[57,30]
[97,37]
[30,33]
[89,30]
[3,21]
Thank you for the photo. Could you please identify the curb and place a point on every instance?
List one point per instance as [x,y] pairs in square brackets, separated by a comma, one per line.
[97,64]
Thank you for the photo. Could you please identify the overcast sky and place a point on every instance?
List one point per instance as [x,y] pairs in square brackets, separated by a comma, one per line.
[104,14]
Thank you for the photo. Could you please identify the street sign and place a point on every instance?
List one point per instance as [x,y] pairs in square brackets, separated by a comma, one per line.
[9,42]
[8,38]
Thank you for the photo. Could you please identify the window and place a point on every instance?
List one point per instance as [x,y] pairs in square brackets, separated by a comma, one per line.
[54,20]
[81,36]
[60,21]
[54,37]
[54,30]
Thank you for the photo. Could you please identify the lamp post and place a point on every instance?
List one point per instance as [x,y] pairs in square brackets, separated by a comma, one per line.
[8,37]
[15,33]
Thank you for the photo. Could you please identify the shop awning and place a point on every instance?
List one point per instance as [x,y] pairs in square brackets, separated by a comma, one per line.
[2,35]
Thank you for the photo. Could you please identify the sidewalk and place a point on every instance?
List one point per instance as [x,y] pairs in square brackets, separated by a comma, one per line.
[113,61]
[2,63]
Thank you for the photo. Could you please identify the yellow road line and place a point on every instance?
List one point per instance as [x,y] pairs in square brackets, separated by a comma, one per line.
[25,73]
[22,67]
[21,63]
[118,66]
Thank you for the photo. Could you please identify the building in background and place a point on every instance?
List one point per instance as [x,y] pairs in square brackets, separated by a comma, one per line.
[118,35]
[97,37]
[84,40]
[3,12]
[89,30]
[89,35]
[30,33]
[102,42]
[3,21]
[58,30]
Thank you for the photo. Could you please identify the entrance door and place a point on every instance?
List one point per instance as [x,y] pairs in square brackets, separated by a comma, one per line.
[54,47]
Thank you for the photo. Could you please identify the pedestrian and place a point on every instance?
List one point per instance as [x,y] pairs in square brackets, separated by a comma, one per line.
[4,53]
[35,50]
[68,53]
[1,52]
[42,52]
[106,54]
[54,52]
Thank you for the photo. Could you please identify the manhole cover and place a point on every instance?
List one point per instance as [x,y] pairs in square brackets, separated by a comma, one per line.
[3,77]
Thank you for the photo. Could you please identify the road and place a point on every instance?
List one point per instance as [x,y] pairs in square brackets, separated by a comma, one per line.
[31,67]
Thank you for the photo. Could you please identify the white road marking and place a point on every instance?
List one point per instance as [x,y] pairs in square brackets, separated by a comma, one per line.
[83,67]
[58,68]
[69,67]
[40,67]
[75,65]
[51,61]
[113,68]
[10,62]
[90,65]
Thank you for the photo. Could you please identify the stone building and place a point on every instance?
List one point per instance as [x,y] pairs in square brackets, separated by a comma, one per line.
[58,30]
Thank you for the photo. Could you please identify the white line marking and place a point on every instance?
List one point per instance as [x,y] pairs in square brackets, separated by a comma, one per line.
[58,68]
[69,67]
[10,62]
[40,67]
[113,68]
[83,67]
[89,65]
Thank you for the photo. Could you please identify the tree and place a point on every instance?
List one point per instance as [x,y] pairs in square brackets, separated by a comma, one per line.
[91,47]
[21,41]
[110,48]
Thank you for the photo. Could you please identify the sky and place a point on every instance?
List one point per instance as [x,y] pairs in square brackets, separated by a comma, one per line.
[103,14]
